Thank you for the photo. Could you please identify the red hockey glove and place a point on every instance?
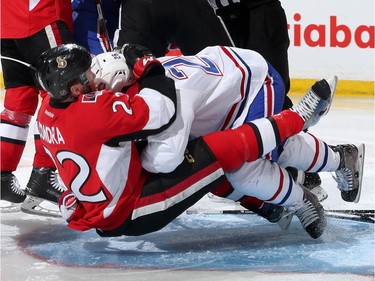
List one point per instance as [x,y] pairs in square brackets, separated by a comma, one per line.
[141,61]
[67,204]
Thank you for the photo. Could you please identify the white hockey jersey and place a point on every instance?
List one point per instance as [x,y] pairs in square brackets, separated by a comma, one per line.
[216,88]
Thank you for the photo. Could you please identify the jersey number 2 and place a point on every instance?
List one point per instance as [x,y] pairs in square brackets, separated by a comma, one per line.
[175,66]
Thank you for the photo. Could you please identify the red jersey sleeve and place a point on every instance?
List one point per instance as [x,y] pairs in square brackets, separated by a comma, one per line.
[123,117]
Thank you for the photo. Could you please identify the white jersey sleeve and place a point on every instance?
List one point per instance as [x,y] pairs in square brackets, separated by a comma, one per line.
[165,151]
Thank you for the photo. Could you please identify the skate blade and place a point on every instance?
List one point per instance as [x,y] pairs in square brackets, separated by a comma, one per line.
[320,193]
[286,219]
[332,82]
[9,207]
[323,106]
[37,206]
[361,163]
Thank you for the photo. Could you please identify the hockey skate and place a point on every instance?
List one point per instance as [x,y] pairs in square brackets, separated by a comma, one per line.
[350,172]
[273,213]
[11,193]
[311,181]
[43,185]
[311,214]
[316,102]
[10,189]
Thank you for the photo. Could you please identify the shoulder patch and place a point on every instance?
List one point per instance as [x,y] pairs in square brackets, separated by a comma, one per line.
[91,97]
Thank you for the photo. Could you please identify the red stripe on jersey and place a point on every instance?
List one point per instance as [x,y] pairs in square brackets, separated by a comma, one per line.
[317,152]
[56,34]
[281,184]
[269,96]
[231,112]
[179,188]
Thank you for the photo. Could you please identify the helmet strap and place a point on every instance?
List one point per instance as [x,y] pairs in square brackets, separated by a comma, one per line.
[83,79]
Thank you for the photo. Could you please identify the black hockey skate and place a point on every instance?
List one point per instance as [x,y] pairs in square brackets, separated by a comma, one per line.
[316,102]
[10,189]
[350,172]
[311,214]
[311,181]
[43,185]
[273,213]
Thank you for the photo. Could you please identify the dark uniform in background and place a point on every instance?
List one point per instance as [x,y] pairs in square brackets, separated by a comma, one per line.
[191,24]
[259,25]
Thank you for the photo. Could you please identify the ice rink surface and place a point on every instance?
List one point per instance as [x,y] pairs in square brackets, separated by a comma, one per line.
[207,247]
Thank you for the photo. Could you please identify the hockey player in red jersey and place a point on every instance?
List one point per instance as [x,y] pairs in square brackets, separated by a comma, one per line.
[215,86]
[28,28]
[91,135]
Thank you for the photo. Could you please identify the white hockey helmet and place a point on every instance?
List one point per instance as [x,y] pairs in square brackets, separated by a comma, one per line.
[112,72]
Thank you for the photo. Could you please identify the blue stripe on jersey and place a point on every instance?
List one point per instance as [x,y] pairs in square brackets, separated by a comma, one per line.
[289,190]
[325,159]
[257,107]
[247,89]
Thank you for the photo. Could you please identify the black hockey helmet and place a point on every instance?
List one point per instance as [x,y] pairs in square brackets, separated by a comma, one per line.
[58,68]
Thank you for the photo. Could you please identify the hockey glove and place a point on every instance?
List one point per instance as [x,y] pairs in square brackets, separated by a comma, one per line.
[141,61]
[67,205]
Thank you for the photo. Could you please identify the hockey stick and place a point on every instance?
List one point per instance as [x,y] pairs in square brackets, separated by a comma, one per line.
[103,33]
[355,215]
[219,212]
[19,61]
[370,213]
[284,222]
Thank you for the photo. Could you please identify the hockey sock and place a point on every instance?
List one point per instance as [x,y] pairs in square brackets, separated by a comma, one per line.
[289,123]
[252,140]
[14,129]
[41,158]
[308,153]
[251,203]
[20,104]
[223,190]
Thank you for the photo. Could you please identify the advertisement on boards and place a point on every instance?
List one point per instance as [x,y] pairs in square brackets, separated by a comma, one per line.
[331,37]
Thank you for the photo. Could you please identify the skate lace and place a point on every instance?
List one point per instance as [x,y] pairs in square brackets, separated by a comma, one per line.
[344,179]
[306,213]
[55,182]
[16,187]
[305,108]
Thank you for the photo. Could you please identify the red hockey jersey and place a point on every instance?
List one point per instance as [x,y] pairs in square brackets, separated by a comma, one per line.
[90,143]
[21,19]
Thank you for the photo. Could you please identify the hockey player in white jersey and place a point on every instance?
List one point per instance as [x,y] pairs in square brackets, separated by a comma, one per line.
[224,87]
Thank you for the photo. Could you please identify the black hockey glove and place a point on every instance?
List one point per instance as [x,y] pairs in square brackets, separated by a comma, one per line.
[141,61]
